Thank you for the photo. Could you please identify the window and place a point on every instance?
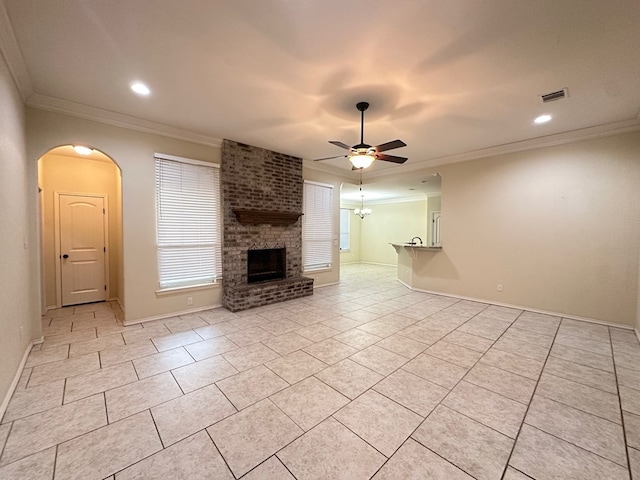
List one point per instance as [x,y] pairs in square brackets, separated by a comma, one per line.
[317,226]
[188,222]
[345,228]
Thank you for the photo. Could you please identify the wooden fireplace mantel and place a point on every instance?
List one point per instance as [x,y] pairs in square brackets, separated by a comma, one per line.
[272,217]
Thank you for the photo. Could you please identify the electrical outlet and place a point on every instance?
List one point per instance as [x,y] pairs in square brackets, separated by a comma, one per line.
[499,287]
[189,300]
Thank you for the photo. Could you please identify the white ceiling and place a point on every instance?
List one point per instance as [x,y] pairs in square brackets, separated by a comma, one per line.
[449,78]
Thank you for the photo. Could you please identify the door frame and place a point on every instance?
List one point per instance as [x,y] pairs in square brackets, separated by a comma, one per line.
[433,228]
[56,239]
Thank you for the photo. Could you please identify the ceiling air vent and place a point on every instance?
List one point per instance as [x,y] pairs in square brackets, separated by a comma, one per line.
[550,97]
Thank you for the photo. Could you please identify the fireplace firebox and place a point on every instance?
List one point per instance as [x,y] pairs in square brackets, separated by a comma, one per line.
[266,264]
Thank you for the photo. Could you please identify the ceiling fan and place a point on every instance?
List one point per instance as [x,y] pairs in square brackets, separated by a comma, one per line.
[363,155]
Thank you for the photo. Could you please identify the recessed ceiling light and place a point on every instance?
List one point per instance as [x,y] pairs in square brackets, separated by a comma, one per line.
[542,119]
[82,150]
[140,88]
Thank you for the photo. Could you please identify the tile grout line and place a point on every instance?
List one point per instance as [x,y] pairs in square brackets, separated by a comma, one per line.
[585,350]
[529,406]
[570,406]
[551,354]
[440,403]
[220,453]
[585,366]
[624,430]
[55,462]
[414,357]
[155,425]
[4,444]
[576,408]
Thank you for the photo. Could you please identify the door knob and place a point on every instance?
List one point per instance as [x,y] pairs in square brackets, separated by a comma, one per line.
[65,256]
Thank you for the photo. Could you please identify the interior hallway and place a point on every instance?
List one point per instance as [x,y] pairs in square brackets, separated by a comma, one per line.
[363,379]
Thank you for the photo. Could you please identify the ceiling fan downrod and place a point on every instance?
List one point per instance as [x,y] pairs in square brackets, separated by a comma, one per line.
[362,106]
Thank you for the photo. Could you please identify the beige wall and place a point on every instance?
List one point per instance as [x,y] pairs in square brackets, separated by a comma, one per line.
[558,227]
[64,174]
[391,223]
[133,152]
[19,265]
[353,254]
[637,324]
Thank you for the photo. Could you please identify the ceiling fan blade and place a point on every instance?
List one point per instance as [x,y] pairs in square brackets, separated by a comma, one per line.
[390,145]
[329,158]
[391,158]
[340,144]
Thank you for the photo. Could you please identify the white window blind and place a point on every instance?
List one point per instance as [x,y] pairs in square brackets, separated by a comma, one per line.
[317,226]
[188,222]
[345,228]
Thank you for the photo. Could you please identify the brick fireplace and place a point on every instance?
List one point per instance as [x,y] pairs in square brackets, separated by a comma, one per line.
[264,264]
[262,205]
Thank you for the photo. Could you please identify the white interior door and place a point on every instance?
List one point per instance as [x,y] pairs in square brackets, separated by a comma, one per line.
[82,249]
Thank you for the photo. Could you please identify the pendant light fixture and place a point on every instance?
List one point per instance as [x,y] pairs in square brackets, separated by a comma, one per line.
[362,212]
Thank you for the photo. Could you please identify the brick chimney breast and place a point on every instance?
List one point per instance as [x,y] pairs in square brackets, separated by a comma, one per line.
[258,180]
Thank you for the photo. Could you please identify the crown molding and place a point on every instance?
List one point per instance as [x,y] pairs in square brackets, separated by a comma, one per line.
[563,138]
[13,57]
[388,201]
[100,115]
[382,201]
[108,117]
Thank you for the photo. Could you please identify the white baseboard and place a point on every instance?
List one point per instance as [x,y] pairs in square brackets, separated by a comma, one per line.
[126,323]
[114,299]
[16,378]
[381,264]
[520,307]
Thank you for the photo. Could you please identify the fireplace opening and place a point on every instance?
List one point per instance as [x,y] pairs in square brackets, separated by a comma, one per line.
[266,264]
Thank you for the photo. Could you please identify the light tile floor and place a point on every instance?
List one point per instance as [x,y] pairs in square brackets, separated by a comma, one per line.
[365,379]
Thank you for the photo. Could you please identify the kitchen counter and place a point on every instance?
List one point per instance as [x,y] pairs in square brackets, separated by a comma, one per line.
[415,247]
[412,258]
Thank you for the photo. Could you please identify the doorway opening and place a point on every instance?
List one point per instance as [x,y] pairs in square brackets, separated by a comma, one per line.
[81,227]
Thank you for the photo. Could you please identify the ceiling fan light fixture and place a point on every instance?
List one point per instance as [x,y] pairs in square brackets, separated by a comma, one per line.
[361,160]
[363,155]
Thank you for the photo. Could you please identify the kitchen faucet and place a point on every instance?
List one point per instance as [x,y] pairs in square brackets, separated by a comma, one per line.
[412,240]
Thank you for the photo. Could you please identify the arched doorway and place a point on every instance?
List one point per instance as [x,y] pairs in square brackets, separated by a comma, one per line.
[80,227]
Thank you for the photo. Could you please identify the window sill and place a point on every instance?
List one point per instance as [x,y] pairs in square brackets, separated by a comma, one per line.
[189,288]
[318,270]
[345,250]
